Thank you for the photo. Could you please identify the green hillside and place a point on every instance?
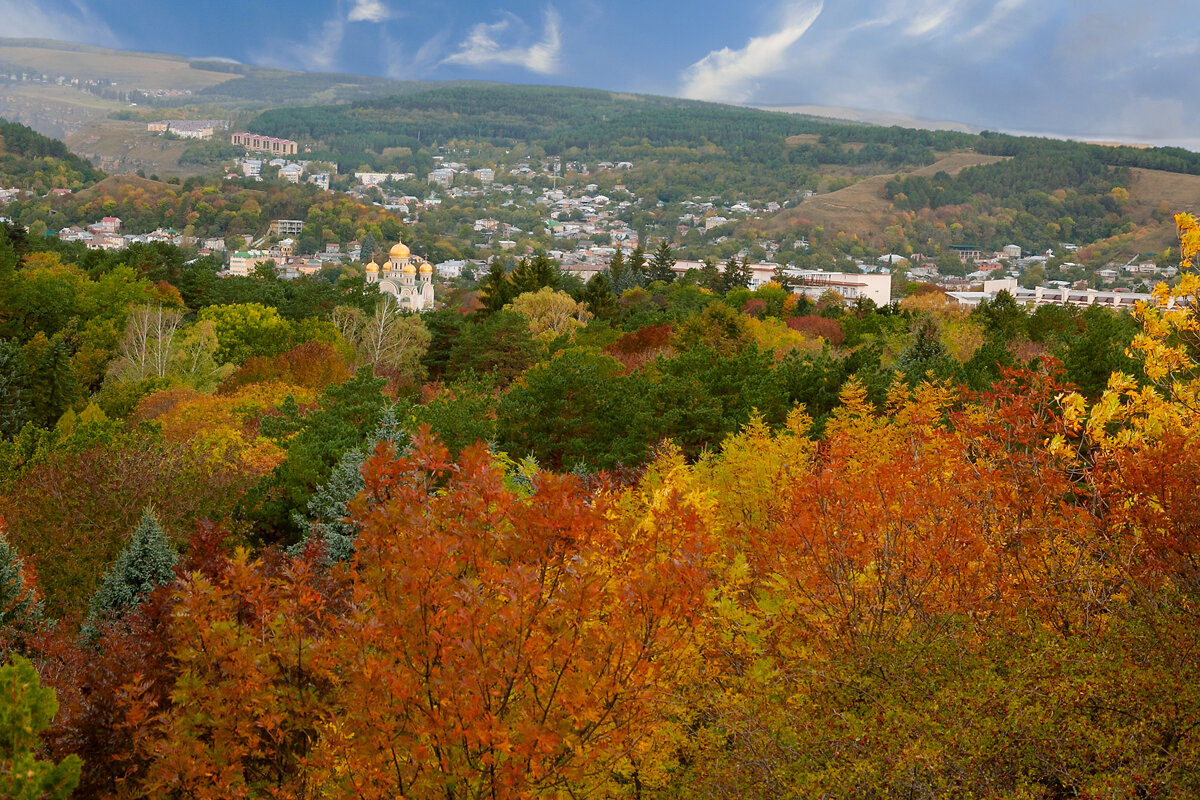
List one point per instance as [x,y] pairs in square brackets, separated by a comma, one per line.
[36,162]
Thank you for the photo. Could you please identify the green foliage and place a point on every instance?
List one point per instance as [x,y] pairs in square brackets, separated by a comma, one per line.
[499,345]
[146,563]
[328,520]
[246,330]
[345,416]
[26,710]
[39,163]
[575,409]
[661,264]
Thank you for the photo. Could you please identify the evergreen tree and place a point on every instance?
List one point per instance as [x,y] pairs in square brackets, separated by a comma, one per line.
[328,519]
[782,278]
[636,266]
[662,265]
[617,270]
[20,606]
[51,382]
[710,276]
[496,290]
[598,295]
[737,273]
[147,562]
[13,407]
[26,709]
[367,248]
[534,272]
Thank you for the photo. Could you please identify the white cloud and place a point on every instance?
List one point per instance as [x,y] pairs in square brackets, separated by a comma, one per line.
[482,47]
[730,75]
[22,20]
[369,11]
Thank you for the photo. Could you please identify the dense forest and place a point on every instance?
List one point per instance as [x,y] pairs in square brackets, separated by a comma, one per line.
[634,538]
[30,160]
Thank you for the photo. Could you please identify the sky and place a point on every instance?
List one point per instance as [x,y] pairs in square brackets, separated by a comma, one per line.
[1111,70]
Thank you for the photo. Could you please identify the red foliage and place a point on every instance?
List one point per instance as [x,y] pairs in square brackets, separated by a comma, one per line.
[635,350]
[754,307]
[829,329]
[313,365]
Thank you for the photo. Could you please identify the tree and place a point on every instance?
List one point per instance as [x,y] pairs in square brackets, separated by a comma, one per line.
[598,296]
[146,349]
[20,606]
[244,330]
[26,710]
[146,563]
[551,313]
[710,276]
[534,272]
[737,273]
[662,264]
[635,268]
[14,410]
[390,338]
[496,290]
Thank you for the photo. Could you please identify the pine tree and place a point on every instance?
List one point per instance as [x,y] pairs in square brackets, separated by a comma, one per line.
[710,276]
[534,272]
[737,273]
[26,709]
[52,382]
[663,263]
[146,563]
[616,270]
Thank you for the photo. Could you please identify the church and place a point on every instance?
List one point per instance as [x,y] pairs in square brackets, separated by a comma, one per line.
[398,277]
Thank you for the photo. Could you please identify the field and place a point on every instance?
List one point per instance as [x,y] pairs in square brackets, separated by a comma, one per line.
[861,208]
[122,146]
[128,70]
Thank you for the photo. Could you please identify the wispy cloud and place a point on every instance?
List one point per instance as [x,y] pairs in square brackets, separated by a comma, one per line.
[79,24]
[368,11]
[730,75]
[485,45]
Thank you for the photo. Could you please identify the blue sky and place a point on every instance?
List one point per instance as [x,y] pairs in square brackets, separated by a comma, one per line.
[1101,69]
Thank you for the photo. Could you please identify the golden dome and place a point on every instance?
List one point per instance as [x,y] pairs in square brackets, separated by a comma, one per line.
[399,250]
[426,268]
[409,269]
[372,267]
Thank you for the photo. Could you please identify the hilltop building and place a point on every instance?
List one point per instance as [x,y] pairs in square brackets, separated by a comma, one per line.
[265,144]
[398,276]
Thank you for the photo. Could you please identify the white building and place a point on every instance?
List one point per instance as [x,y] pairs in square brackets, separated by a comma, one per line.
[399,278]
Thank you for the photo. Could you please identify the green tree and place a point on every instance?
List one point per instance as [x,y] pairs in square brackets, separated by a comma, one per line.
[662,264]
[13,407]
[26,709]
[599,298]
[496,290]
[146,563]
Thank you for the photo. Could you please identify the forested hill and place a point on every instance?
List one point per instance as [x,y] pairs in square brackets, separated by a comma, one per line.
[39,163]
[600,124]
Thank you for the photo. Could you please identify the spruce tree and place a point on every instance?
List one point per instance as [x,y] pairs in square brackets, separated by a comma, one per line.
[616,270]
[663,263]
[147,562]
[328,518]
[20,606]
[635,266]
